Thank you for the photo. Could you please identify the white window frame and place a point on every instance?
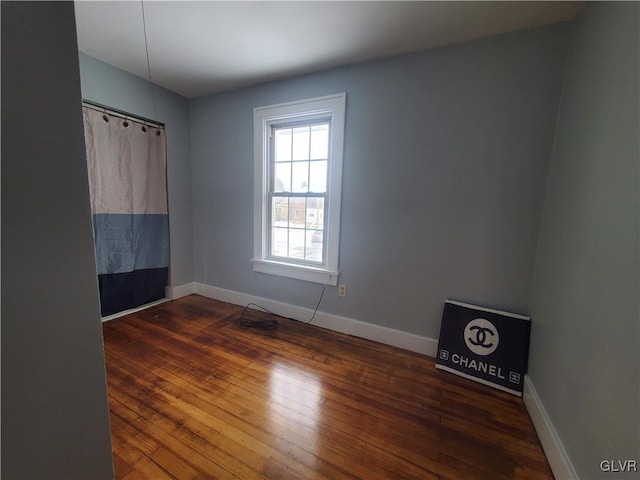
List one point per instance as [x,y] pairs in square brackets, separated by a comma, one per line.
[264,118]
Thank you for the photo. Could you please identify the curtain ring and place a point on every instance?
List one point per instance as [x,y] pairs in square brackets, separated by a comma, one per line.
[144,128]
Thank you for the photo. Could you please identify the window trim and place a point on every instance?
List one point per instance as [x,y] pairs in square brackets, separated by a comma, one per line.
[264,118]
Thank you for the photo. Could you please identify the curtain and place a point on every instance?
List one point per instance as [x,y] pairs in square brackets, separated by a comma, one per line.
[126,162]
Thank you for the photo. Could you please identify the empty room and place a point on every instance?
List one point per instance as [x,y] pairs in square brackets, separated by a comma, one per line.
[328,240]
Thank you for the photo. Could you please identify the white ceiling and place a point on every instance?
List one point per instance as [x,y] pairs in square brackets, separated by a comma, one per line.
[203,47]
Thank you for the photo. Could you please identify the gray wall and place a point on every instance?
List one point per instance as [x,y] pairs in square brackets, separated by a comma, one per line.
[584,349]
[118,89]
[446,155]
[55,422]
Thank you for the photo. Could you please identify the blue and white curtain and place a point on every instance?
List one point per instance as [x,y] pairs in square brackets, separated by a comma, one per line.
[126,162]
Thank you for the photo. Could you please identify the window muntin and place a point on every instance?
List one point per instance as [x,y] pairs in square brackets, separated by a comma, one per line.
[298,179]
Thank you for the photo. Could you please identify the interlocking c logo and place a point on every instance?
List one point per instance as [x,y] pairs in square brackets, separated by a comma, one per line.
[481,336]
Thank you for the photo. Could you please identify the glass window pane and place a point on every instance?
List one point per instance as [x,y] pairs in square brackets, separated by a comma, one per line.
[296,212]
[283,144]
[296,243]
[300,177]
[279,242]
[318,176]
[320,141]
[282,181]
[315,213]
[314,245]
[280,212]
[301,143]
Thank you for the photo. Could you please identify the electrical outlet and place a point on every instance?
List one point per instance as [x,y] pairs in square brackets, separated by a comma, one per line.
[342,290]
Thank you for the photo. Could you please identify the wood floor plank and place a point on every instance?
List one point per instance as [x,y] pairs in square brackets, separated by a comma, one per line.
[224,416]
[391,402]
[193,395]
[204,428]
[387,431]
[128,449]
[173,455]
[147,469]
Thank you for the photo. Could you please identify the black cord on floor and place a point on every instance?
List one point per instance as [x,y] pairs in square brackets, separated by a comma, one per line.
[316,310]
[266,324]
[272,323]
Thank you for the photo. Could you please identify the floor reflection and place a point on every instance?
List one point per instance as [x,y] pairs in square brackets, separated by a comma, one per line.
[295,405]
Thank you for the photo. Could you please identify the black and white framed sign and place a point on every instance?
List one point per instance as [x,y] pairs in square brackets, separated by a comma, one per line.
[485,345]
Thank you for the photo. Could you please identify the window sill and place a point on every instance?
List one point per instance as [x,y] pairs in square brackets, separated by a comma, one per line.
[299,272]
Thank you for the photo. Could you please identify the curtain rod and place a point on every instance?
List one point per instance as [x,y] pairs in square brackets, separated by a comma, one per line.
[121,113]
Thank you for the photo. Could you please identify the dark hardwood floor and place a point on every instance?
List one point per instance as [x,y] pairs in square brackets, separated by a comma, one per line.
[194,396]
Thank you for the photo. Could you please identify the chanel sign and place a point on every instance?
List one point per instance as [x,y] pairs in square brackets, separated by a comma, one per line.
[485,345]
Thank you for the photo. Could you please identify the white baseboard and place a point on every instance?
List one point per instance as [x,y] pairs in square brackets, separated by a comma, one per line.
[181,290]
[559,461]
[170,293]
[134,310]
[388,336]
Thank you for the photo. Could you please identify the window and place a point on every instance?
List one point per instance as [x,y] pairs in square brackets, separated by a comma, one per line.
[298,177]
